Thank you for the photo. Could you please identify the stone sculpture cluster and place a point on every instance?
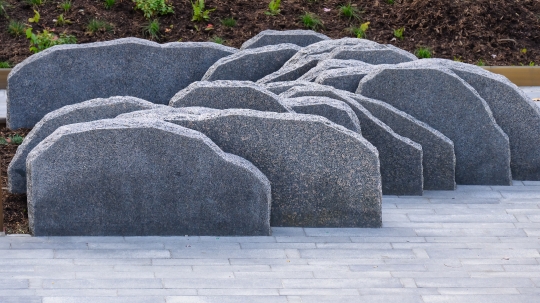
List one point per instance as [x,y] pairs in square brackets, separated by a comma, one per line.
[294,129]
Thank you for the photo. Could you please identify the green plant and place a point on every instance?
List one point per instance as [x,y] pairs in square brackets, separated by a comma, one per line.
[398,33]
[458,59]
[273,8]
[36,17]
[46,39]
[96,25]
[3,141]
[532,63]
[3,7]
[229,22]
[17,139]
[349,11]
[423,52]
[481,63]
[217,40]
[60,21]
[311,21]
[390,1]
[109,4]
[523,51]
[16,28]
[5,64]
[34,2]
[360,31]
[200,13]
[65,6]
[152,8]
[152,29]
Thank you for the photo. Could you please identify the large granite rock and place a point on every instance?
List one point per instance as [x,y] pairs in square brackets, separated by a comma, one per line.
[251,64]
[401,158]
[322,174]
[95,109]
[271,37]
[224,94]
[344,78]
[438,158]
[384,54]
[291,72]
[282,86]
[326,46]
[69,74]
[330,64]
[513,110]
[334,110]
[438,97]
[140,178]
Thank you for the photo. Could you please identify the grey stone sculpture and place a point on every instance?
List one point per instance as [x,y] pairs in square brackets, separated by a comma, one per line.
[251,64]
[384,54]
[224,94]
[72,73]
[322,174]
[128,177]
[271,37]
[438,97]
[291,72]
[95,109]
[401,158]
[281,87]
[334,110]
[344,78]
[326,46]
[330,64]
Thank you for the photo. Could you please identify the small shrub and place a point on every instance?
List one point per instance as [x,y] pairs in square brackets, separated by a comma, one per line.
[311,21]
[36,17]
[152,29]
[458,59]
[423,52]
[152,8]
[65,6]
[34,2]
[96,25]
[16,28]
[61,21]
[532,63]
[349,11]
[390,1]
[3,141]
[217,40]
[481,63]
[3,7]
[18,140]
[523,51]
[46,39]
[229,22]
[273,8]
[200,13]
[109,4]
[398,33]
[360,31]
[5,64]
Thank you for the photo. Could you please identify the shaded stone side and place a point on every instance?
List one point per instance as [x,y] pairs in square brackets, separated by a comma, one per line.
[291,72]
[271,37]
[346,79]
[282,86]
[382,55]
[330,64]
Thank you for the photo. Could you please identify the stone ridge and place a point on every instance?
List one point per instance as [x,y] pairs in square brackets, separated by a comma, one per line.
[271,37]
[329,64]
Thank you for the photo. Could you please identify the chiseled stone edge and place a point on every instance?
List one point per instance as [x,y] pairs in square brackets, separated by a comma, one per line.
[297,32]
[331,64]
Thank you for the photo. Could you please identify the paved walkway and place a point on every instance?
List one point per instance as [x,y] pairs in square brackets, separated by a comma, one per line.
[476,244]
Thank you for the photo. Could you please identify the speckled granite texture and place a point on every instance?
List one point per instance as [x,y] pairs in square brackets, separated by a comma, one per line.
[223,94]
[380,55]
[329,64]
[344,78]
[95,109]
[126,188]
[291,72]
[438,97]
[271,37]
[282,86]
[251,64]
[69,74]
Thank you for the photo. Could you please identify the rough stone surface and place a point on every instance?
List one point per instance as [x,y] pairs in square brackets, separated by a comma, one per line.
[271,37]
[438,158]
[322,174]
[344,78]
[385,54]
[281,87]
[329,64]
[325,47]
[291,72]
[95,109]
[438,97]
[224,94]
[513,110]
[251,64]
[69,74]
[336,111]
[401,158]
[97,179]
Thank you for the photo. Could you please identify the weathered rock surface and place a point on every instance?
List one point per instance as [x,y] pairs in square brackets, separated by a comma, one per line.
[282,86]
[322,174]
[344,78]
[330,64]
[69,74]
[251,64]
[291,72]
[95,109]
[124,187]
[438,97]
[272,37]
[224,94]
[383,54]
[326,46]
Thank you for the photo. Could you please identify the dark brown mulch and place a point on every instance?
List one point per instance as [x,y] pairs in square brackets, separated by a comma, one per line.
[498,32]
[15,209]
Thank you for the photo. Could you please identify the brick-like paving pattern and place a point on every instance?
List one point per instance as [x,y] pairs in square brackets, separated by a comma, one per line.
[477,244]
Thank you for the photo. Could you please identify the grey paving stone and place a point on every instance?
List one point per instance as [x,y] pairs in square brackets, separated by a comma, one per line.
[334,110]
[77,145]
[251,64]
[327,65]
[13,283]
[112,299]
[271,37]
[341,283]
[382,54]
[460,232]
[224,94]
[15,299]
[438,97]
[474,282]
[67,74]
[102,283]
[26,253]
[229,299]
[497,298]
[95,109]
[478,291]
[222,283]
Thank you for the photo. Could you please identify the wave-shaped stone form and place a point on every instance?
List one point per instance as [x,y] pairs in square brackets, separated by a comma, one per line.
[72,73]
[438,158]
[325,47]
[291,72]
[322,174]
[334,110]
[346,79]
[280,87]
[513,110]
[223,94]
[123,187]
[401,158]
[272,37]
[385,54]
[95,109]
[438,97]
[330,64]
[251,64]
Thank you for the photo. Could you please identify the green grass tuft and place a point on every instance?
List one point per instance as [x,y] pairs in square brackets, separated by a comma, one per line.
[311,21]
[423,52]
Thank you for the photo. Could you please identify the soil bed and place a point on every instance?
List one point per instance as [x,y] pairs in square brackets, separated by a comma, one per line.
[491,32]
